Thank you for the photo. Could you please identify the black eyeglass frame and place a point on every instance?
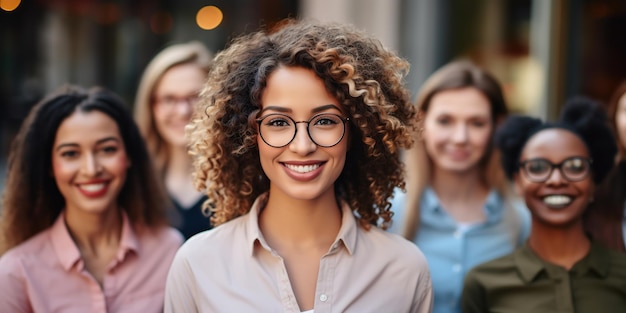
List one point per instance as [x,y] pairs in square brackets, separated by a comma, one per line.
[308,130]
[559,166]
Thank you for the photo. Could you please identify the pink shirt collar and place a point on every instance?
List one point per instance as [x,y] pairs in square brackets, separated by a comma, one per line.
[68,254]
[347,233]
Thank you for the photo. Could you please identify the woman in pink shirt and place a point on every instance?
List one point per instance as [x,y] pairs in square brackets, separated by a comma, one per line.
[296,139]
[83,227]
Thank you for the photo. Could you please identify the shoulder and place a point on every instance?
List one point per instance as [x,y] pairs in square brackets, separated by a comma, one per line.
[494,268]
[217,241]
[395,247]
[32,252]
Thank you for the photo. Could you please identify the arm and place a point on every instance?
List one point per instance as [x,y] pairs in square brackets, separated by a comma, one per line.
[423,298]
[473,298]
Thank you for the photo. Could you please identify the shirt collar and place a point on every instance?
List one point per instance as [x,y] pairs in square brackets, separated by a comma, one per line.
[67,252]
[529,265]
[347,233]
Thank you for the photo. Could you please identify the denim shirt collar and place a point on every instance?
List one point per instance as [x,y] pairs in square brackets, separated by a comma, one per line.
[431,207]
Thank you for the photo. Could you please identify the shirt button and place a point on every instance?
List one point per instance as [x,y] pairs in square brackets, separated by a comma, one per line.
[323,298]
[456,268]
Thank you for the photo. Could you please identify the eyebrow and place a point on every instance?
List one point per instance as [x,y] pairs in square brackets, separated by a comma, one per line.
[101,141]
[315,110]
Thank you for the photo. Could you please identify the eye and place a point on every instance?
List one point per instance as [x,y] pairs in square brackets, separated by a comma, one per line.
[276,121]
[537,166]
[444,120]
[69,154]
[478,123]
[109,149]
[326,120]
[575,165]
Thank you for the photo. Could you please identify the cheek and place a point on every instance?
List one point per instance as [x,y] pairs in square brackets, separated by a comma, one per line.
[160,116]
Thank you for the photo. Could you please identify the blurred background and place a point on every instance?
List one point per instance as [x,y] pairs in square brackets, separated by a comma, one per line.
[542,51]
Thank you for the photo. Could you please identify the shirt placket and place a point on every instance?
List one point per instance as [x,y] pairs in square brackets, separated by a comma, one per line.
[563,291]
[324,295]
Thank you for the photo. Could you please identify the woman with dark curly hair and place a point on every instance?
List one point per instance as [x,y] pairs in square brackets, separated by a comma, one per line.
[458,208]
[555,168]
[606,221]
[296,141]
[83,224]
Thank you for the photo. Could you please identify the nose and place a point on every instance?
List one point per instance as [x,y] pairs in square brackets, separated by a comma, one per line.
[556,178]
[302,143]
[90,165]
[460,134]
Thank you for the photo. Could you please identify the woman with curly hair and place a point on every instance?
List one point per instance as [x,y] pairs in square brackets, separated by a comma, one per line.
[296,141]
[606,221]
[167,92]
[555,168]
[457,207]
[83,224]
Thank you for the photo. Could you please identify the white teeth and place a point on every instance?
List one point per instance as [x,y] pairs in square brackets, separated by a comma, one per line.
[557,200]
[92,187]
[302,168]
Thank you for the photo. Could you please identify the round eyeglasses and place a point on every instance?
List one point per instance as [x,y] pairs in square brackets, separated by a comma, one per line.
[325,129]
[573,169]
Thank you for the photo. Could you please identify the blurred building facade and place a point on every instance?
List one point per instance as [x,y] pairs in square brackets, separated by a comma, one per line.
[543,51]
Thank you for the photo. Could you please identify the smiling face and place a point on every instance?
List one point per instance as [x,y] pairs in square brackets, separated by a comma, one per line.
[174,97]
[89,162]
[301,169]
[457,129]
[556,202]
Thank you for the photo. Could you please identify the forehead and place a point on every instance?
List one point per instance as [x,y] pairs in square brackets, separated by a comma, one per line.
[554,144]
[86,127]
[296,88]
[466,101]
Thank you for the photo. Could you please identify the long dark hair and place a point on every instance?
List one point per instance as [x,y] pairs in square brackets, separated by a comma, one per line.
[32,200]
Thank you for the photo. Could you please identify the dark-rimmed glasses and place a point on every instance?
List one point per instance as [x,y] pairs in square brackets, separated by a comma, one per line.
[573,169]
[325,129]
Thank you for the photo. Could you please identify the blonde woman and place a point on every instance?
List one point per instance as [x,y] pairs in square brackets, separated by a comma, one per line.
[167,92]
[457,207]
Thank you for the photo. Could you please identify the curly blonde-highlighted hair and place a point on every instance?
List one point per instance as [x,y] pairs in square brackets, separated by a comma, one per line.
[366,79]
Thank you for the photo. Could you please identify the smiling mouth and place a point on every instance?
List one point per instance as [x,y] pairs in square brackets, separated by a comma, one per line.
[92,187]
[557,201]
[303,168]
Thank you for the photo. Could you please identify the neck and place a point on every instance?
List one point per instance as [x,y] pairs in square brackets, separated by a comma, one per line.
[288,222]
[458,187]
[94,232]
[563,246]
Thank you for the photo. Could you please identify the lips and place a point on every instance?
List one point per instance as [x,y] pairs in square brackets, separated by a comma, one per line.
[557,201]
[303,171]
[93,189]
[303,168]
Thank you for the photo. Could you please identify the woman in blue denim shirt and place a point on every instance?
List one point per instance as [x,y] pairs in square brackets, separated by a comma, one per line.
[457,207]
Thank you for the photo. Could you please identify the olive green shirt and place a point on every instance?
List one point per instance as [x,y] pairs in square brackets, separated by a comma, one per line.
[522,282]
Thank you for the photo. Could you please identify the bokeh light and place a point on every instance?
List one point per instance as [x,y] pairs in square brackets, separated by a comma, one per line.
[9,5]
[209,17]
[161,23]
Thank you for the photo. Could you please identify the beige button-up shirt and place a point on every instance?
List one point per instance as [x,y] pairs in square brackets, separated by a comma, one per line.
[232,269]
